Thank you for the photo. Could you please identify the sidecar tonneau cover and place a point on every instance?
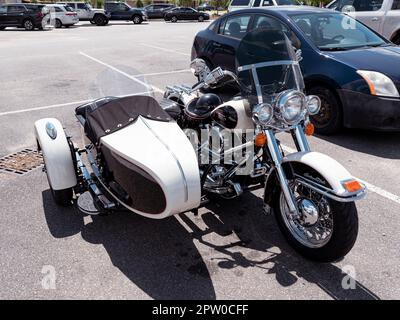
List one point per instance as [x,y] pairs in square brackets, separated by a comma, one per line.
[116,114]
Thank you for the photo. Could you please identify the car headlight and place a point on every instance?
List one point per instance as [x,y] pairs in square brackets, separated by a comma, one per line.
[290,104]
[379,84]
[263,113]
[313,104]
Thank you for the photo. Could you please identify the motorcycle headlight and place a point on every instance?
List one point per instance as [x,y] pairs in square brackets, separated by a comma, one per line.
[263,113]
[290,104]
[313,104]
[379,84]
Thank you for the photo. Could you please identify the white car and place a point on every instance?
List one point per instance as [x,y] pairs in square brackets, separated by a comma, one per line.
[243,4]
[383,16]
[63,15]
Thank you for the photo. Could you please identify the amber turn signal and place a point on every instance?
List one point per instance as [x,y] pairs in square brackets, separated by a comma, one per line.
[352,185]
[309,129]
[260,139]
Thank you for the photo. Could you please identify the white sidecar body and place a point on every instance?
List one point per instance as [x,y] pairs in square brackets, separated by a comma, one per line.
[147,162]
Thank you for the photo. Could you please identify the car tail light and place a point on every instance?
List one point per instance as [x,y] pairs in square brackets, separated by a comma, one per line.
[70,14]
[40,14]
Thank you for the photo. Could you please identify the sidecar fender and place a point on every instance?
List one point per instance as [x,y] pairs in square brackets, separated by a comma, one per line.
[331,170]
[56,152]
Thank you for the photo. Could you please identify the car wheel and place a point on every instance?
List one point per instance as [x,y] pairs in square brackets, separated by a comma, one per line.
[99,20]
[330,118]
[137,19]
[2,28]
[201,19]
[174,19]
[396,40]
[58,24]
[28,25]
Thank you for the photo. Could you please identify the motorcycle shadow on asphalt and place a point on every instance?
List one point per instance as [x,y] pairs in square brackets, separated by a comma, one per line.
[160,256]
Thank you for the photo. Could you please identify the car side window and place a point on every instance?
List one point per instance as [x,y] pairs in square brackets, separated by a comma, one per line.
[81,6]
[267,3]
[396,5]
[3,9]
[58,9]
[256,3]
[361,5]
[16,9]
[236,26]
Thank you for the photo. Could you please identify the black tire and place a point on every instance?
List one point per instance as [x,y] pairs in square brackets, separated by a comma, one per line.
[201,19]
[62,197]
[28,25]
[58,24]
[396,40]
[330,118]
[2,28]
[99,20]
[174,19]
[344,234]
[136,19]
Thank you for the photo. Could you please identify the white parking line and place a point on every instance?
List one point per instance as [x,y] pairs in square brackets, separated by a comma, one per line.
[6,113]
[165,49]
[122,73]
[370,186]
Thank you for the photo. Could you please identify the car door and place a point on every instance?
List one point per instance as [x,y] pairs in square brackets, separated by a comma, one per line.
[15,14]
[369,12]
[3,15]
[123,11]
[231,30]
[192,14]
[391,24]
[151,11]
[82,11]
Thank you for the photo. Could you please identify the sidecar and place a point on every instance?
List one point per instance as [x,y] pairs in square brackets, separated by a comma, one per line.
[135,156]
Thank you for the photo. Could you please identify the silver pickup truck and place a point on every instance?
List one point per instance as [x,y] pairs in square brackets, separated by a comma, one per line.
[87,13]
[383,16]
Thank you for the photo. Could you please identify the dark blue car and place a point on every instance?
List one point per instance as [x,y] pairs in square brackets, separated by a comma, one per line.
[354,71]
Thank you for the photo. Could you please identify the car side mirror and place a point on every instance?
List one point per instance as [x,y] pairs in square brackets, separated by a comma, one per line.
[198,66]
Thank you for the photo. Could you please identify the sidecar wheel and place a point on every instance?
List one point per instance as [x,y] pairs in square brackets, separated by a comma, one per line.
[326,237]
[62,197]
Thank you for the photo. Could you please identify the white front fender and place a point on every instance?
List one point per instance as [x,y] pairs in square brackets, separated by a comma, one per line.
[56,154]
[333,172]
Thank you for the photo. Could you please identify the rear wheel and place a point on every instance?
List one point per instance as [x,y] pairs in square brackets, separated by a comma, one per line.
[330,118]
[58,24]
[28,25]
[396,40]
[99,20]
[137,19]
[201,19]
[174,19]
[324,231]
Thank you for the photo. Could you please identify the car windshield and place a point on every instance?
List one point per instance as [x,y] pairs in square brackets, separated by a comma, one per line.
[336,31]
[287,2]
[89,6]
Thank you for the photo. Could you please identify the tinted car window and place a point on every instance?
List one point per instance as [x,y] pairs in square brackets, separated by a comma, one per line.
[3,9]
[358,5]
[256,3]
[240,2]
[267,3]
[81,6]
[396,5]
[236,26]
[16,9]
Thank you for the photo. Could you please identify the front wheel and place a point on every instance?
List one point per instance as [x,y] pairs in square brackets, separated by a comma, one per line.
[137,19]
[28,25]
[174,19]
[324,231]
[99,20]
[201,19]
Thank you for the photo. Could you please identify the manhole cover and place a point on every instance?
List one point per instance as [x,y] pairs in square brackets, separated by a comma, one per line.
[21,162]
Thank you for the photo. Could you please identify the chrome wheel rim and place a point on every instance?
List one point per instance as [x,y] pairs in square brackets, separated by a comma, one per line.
[28,25]
[136,20]
[313,227]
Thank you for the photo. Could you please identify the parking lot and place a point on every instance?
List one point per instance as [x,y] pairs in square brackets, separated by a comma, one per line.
[229,251]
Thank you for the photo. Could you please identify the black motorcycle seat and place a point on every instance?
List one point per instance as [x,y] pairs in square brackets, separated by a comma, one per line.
[107,115]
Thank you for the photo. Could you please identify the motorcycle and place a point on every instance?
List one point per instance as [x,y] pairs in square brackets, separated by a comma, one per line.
[163,158]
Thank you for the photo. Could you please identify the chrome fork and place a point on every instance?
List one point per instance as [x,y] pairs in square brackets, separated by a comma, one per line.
[277,160]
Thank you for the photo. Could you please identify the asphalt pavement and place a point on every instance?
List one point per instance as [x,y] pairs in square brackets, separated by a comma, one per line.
[231,250]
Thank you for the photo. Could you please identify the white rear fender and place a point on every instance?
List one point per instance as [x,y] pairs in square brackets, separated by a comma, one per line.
[331,170]
[56,153]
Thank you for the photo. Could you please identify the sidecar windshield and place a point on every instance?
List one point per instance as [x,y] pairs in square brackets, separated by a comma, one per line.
[267,64]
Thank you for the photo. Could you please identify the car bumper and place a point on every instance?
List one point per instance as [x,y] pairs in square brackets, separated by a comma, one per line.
[370,112]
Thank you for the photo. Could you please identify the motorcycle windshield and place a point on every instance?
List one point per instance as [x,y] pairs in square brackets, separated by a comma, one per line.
[267,65]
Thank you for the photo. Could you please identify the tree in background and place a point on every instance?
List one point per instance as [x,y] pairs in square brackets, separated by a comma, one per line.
[184,3]
[139,4]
